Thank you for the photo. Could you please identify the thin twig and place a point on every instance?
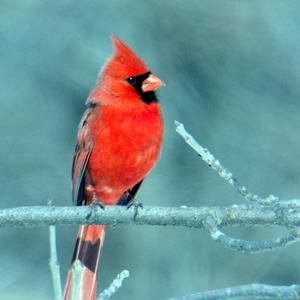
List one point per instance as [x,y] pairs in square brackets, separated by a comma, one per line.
[77,271]
[114,286]
[240,245]
[54,266]
[215,164]
[255,290]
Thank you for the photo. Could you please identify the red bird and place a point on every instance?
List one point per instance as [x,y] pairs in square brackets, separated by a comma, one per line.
[118,143]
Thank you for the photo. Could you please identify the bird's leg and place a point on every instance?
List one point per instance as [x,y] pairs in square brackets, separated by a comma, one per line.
[135,206]
[95,203]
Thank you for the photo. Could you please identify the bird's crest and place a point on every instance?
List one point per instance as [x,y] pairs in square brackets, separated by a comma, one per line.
[124,62]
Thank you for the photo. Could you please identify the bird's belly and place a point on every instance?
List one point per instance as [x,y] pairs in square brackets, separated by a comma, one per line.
[118,162]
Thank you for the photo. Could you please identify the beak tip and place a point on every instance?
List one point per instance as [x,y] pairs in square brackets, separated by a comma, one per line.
[152,83]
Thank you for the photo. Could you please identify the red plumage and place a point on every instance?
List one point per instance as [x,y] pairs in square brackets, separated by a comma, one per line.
[118,144]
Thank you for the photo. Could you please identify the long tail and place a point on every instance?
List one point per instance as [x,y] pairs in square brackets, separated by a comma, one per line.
[87,251]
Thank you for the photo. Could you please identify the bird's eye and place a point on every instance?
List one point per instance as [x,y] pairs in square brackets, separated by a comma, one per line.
[131,80]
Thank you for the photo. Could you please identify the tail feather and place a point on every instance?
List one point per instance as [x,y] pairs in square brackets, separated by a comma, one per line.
[87,251]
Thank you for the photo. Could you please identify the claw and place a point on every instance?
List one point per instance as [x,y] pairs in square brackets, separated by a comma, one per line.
[94,205]
[135,206]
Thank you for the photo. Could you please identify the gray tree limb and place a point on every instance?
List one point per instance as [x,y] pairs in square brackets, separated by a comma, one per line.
[236,215]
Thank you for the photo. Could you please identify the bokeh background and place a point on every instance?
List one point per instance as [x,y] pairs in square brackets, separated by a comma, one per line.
[232,73]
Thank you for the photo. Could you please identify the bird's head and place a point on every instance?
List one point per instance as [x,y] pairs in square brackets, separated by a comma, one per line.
[125,76]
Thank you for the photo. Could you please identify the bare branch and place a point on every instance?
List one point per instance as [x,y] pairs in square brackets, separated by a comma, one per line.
[256,290]
[220,237]
[211,218]
[114,286]
[54,266]
[212,224]
[215,164]
[272,201]
[236,215]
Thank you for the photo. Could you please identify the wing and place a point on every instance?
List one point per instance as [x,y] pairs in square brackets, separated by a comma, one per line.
[81,157]
[128,196]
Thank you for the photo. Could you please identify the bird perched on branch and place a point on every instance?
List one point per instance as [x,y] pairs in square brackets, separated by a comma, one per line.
[118,143]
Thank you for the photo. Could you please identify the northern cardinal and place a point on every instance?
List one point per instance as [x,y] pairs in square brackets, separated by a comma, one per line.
[118,143]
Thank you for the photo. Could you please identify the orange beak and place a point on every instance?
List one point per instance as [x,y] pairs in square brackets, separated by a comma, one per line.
[151,83]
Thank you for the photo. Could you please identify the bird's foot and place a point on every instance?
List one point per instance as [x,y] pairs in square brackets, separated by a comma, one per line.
[94,205]
[136,206]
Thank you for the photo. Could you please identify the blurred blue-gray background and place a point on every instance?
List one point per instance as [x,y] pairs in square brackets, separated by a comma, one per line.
[232,73]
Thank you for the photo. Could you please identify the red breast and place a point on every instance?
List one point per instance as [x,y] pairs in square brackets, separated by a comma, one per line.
[126,147]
